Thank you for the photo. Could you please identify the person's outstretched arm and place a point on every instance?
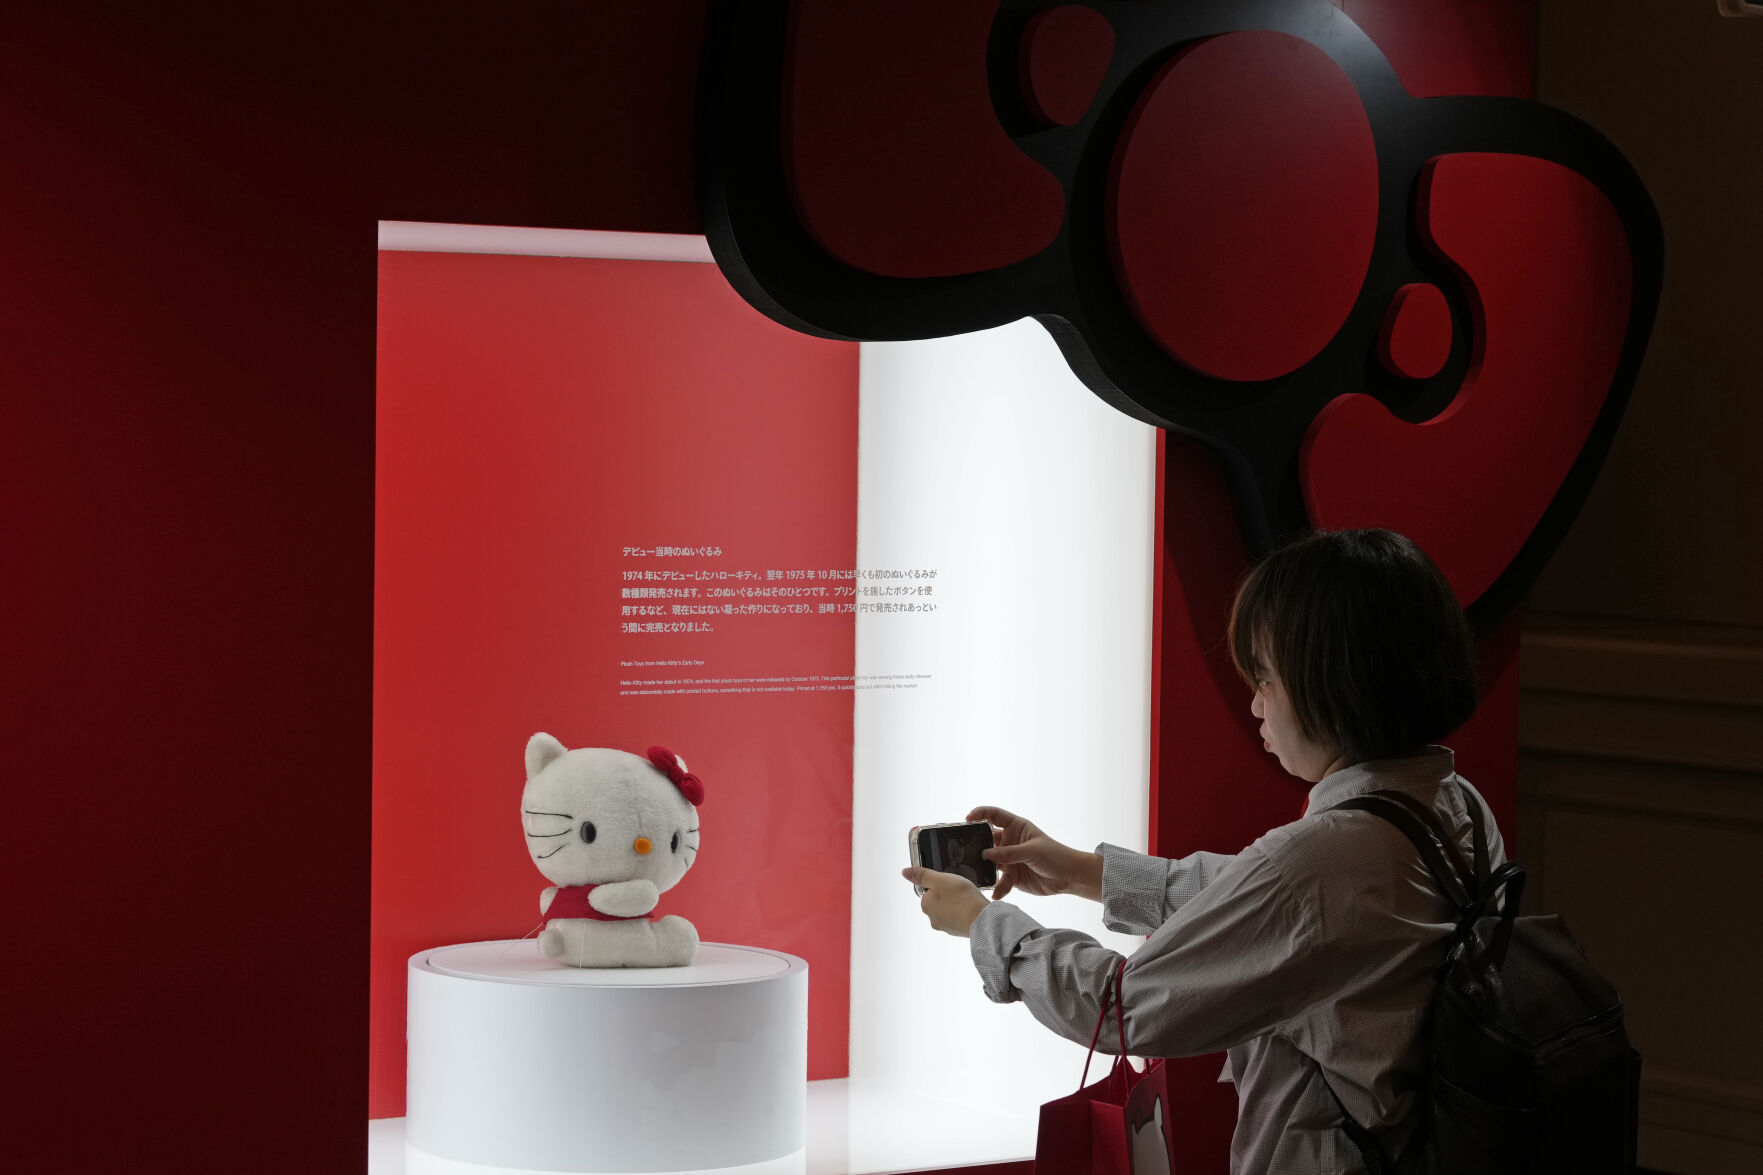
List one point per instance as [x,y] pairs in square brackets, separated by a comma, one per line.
[1233,963]
[1138,892]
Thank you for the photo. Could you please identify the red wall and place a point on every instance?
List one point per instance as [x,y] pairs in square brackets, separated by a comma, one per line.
[538,415]
[186,448]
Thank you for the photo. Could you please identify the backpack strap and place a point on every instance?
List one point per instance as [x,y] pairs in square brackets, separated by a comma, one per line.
[1471,893]
[1511,877]
[1441,857]
[1472,879]
[1508,877]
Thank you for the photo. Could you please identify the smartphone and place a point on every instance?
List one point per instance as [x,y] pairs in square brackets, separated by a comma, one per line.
[954,848]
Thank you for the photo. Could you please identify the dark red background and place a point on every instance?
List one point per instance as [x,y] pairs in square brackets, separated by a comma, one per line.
[186,448]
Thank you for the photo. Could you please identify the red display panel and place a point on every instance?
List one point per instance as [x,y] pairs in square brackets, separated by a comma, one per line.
[541,422]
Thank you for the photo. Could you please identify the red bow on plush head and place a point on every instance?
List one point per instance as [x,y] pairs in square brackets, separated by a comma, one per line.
[674,767]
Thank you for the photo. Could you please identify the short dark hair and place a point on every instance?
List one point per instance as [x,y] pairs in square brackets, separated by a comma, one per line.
[1367,638]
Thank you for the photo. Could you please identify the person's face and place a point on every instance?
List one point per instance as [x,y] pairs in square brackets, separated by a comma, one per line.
[1281,735]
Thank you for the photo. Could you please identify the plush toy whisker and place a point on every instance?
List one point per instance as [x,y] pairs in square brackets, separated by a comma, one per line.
[530,812]
[554,851]
[543,835]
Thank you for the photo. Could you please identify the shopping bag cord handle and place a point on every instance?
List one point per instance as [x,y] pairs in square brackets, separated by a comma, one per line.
[1110,991]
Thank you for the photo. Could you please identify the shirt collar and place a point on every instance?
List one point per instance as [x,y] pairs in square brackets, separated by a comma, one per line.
[1420,773]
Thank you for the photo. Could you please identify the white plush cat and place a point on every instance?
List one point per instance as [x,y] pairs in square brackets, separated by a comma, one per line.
[613,831]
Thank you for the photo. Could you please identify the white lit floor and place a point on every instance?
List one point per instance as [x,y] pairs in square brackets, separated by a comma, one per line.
[850,1132]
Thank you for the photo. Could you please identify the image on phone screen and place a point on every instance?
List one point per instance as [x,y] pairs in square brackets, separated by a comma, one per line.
[958,849]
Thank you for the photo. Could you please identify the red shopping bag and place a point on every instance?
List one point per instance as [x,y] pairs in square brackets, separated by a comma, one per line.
[1119,1125]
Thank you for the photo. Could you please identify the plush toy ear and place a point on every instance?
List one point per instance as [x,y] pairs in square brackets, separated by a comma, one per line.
[541,751]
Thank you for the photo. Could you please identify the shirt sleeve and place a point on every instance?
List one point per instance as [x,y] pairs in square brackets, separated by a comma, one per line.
[1059,975]
[1235,962]
[1139,893]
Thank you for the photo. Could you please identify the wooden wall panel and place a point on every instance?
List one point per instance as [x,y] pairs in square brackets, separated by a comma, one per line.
[1641,819]
[1641,713]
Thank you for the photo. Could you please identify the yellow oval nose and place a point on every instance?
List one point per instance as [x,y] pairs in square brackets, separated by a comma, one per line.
[642,846]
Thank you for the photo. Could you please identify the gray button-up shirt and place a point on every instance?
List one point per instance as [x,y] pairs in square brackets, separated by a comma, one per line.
[1310,952]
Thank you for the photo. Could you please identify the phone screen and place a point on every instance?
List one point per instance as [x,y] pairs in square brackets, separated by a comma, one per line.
[957,849]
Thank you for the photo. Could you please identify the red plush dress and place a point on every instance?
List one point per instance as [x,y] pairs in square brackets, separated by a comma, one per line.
[571,901]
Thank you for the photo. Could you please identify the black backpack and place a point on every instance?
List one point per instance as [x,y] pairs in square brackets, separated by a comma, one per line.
[1528,1066]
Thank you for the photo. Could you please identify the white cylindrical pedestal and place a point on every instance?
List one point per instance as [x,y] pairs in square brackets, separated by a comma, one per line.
[518,1061]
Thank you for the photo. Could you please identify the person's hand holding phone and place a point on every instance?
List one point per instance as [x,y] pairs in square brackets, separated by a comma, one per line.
[950,901]
[1030,860]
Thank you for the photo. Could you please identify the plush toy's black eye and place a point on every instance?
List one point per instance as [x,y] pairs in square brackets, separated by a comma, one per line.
[587,832]
[676,842]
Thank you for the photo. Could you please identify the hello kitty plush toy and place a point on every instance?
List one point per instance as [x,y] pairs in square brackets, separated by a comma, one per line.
[613,831]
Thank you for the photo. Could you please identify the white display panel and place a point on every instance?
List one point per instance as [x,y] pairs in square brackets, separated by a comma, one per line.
[982,457]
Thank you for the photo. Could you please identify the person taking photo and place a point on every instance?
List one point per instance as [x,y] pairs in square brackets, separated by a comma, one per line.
[1310,955]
